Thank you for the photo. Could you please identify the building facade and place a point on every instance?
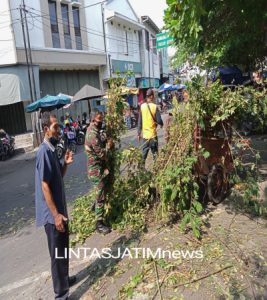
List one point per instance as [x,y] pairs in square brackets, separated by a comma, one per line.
[73,43]
[149,56]
[121,29]
[62,59]
[164,65]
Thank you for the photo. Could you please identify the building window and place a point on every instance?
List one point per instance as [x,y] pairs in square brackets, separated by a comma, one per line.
[66,25]
[54,24]
[147,40]
[130,40]
[77,28]
[154,44]
[127,43]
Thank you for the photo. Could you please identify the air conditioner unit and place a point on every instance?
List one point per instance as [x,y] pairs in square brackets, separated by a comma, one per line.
[65,1]
[76,2]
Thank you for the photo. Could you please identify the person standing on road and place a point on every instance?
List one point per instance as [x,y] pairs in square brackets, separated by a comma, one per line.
[51,208]
[97,150]
[149,118]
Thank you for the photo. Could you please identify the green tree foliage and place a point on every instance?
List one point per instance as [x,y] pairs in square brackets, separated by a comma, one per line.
[218,32]
[168,191]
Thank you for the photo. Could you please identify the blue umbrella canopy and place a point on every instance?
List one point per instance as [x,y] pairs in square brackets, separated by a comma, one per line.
[168,87]
[178,87]
[165,87]
[49,103]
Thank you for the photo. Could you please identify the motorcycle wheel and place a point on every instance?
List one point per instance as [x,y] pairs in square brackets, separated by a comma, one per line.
[11,151]
[5,152]
[80,139]
[72,147]
[60,152]
[133,123]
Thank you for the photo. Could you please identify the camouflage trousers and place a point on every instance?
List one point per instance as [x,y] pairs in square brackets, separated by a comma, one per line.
[96,176]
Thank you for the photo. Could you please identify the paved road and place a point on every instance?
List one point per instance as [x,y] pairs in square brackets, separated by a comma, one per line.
[23,248]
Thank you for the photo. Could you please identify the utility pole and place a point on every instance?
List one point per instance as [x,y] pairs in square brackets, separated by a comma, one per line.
[26,52]
[30,50]
[34,118]
[105,40]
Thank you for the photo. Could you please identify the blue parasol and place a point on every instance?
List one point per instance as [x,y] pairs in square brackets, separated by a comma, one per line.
[165,87]
[49,103]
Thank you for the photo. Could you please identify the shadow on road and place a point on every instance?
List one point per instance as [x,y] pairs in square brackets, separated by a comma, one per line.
[101,266]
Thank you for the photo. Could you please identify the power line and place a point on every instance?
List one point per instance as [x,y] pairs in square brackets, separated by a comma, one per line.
[78,8]
[8,11]
[11,23]
[90,31]
[58,37]
[86,46]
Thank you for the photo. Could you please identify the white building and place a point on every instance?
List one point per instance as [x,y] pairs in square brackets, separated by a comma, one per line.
[164,65]
[117,22]
[149,56]
[73,43]
[63,61]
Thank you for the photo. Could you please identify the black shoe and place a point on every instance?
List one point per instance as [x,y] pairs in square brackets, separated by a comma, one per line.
[72,280]
[101,228]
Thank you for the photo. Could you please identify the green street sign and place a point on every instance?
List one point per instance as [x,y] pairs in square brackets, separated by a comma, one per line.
[163,40]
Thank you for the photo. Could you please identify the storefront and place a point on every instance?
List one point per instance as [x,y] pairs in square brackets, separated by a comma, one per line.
[14,97]
[124,68]
[144,84]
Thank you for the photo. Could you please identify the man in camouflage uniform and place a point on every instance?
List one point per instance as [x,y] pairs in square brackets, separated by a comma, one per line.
[96,149]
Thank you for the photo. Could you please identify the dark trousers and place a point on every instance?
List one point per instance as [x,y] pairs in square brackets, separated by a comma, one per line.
[151,144]
[57,243]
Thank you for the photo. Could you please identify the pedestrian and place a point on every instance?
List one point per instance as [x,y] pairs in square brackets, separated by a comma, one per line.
[97,149]
[51,208]
[68,119]
[148,120]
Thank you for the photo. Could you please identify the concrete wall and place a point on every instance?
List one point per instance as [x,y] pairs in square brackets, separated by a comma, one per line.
[124,8]
[93,20]
[7,46]
[35,31]
[116,42]
[150,60]
[39,24]
[165,61]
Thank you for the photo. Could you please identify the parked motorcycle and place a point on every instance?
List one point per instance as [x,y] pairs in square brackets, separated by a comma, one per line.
[134,118]
[66,141]
[80,135]
[60,149]
[166,105]
[7,145]
[70,138]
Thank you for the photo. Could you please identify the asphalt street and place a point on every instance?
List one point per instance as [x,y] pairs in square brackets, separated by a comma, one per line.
[24,254]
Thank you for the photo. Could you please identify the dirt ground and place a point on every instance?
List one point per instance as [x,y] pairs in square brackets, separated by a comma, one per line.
[233,266]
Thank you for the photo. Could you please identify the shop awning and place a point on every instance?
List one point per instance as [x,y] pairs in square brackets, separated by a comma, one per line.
[126,91]
[129,90]
[9,89]
[87,92]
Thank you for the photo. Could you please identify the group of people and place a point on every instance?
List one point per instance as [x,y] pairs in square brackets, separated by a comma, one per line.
[51,208]
[68,120]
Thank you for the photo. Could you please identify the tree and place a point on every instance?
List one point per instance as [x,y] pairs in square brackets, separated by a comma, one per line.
[219,32]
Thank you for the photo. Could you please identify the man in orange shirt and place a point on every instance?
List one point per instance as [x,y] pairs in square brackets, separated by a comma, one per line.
[149,118]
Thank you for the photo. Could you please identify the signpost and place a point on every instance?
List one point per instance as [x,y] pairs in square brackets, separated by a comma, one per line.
[163,40]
